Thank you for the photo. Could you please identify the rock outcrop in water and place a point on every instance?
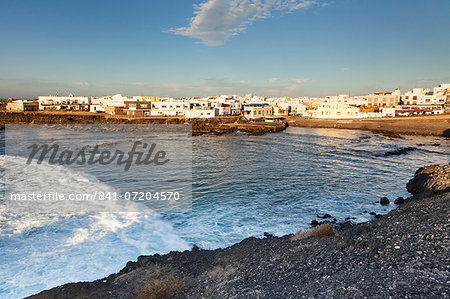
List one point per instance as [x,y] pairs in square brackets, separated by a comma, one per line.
[402,254]
[400,151]
[200,126]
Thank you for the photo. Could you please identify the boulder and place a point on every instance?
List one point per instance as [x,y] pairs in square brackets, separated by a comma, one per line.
[430,180]
[384,201]
[400,200]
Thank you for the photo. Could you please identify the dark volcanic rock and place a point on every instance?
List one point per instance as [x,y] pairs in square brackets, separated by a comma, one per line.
[430,179]
[400,151]
[384,201]
[314,223]
[400,200]
[324,216]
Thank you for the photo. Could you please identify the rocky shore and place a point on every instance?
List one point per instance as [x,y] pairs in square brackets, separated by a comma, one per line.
[401,254]
[432,125]
[200,126]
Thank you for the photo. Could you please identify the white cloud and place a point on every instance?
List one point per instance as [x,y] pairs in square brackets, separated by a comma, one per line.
[300,80]
[215,21]
[80,84]
[346,69]
[273,80]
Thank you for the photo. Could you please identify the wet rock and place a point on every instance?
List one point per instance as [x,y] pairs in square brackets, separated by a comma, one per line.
[324,216]
[372,213]
[384,201]
[400,151]
[268,235]
[314,223]
[400,200]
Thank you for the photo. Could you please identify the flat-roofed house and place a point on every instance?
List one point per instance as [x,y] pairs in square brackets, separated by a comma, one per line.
[335,110]
[22,105]
[137,108]
[257,110]
[385,99]
[55,102]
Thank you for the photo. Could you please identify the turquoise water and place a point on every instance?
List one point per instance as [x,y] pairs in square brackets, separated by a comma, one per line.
[243,186]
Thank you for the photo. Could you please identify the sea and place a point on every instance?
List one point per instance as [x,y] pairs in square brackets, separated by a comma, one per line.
[242,186]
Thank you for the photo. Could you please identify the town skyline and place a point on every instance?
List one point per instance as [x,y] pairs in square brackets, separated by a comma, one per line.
[198,48]
[349,94]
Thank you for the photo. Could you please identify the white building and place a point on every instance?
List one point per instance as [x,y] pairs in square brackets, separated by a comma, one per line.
[335,110]
[388,112]
[253,111]
[71,102]
[170,107]
[202,113]
[421,96]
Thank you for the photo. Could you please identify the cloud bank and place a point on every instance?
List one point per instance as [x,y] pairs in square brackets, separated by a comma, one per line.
[215,21]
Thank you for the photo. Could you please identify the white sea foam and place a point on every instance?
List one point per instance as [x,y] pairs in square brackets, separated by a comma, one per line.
[87,240]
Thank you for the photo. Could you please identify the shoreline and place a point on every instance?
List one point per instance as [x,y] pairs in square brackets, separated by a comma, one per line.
[200,126]
[433,125]
[402,253]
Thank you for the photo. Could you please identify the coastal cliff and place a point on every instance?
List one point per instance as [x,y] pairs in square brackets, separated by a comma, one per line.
[403,253]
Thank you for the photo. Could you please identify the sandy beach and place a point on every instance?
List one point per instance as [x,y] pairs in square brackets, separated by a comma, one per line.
[432,125]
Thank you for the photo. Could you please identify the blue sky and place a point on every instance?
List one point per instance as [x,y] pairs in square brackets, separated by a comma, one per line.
[210,47]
